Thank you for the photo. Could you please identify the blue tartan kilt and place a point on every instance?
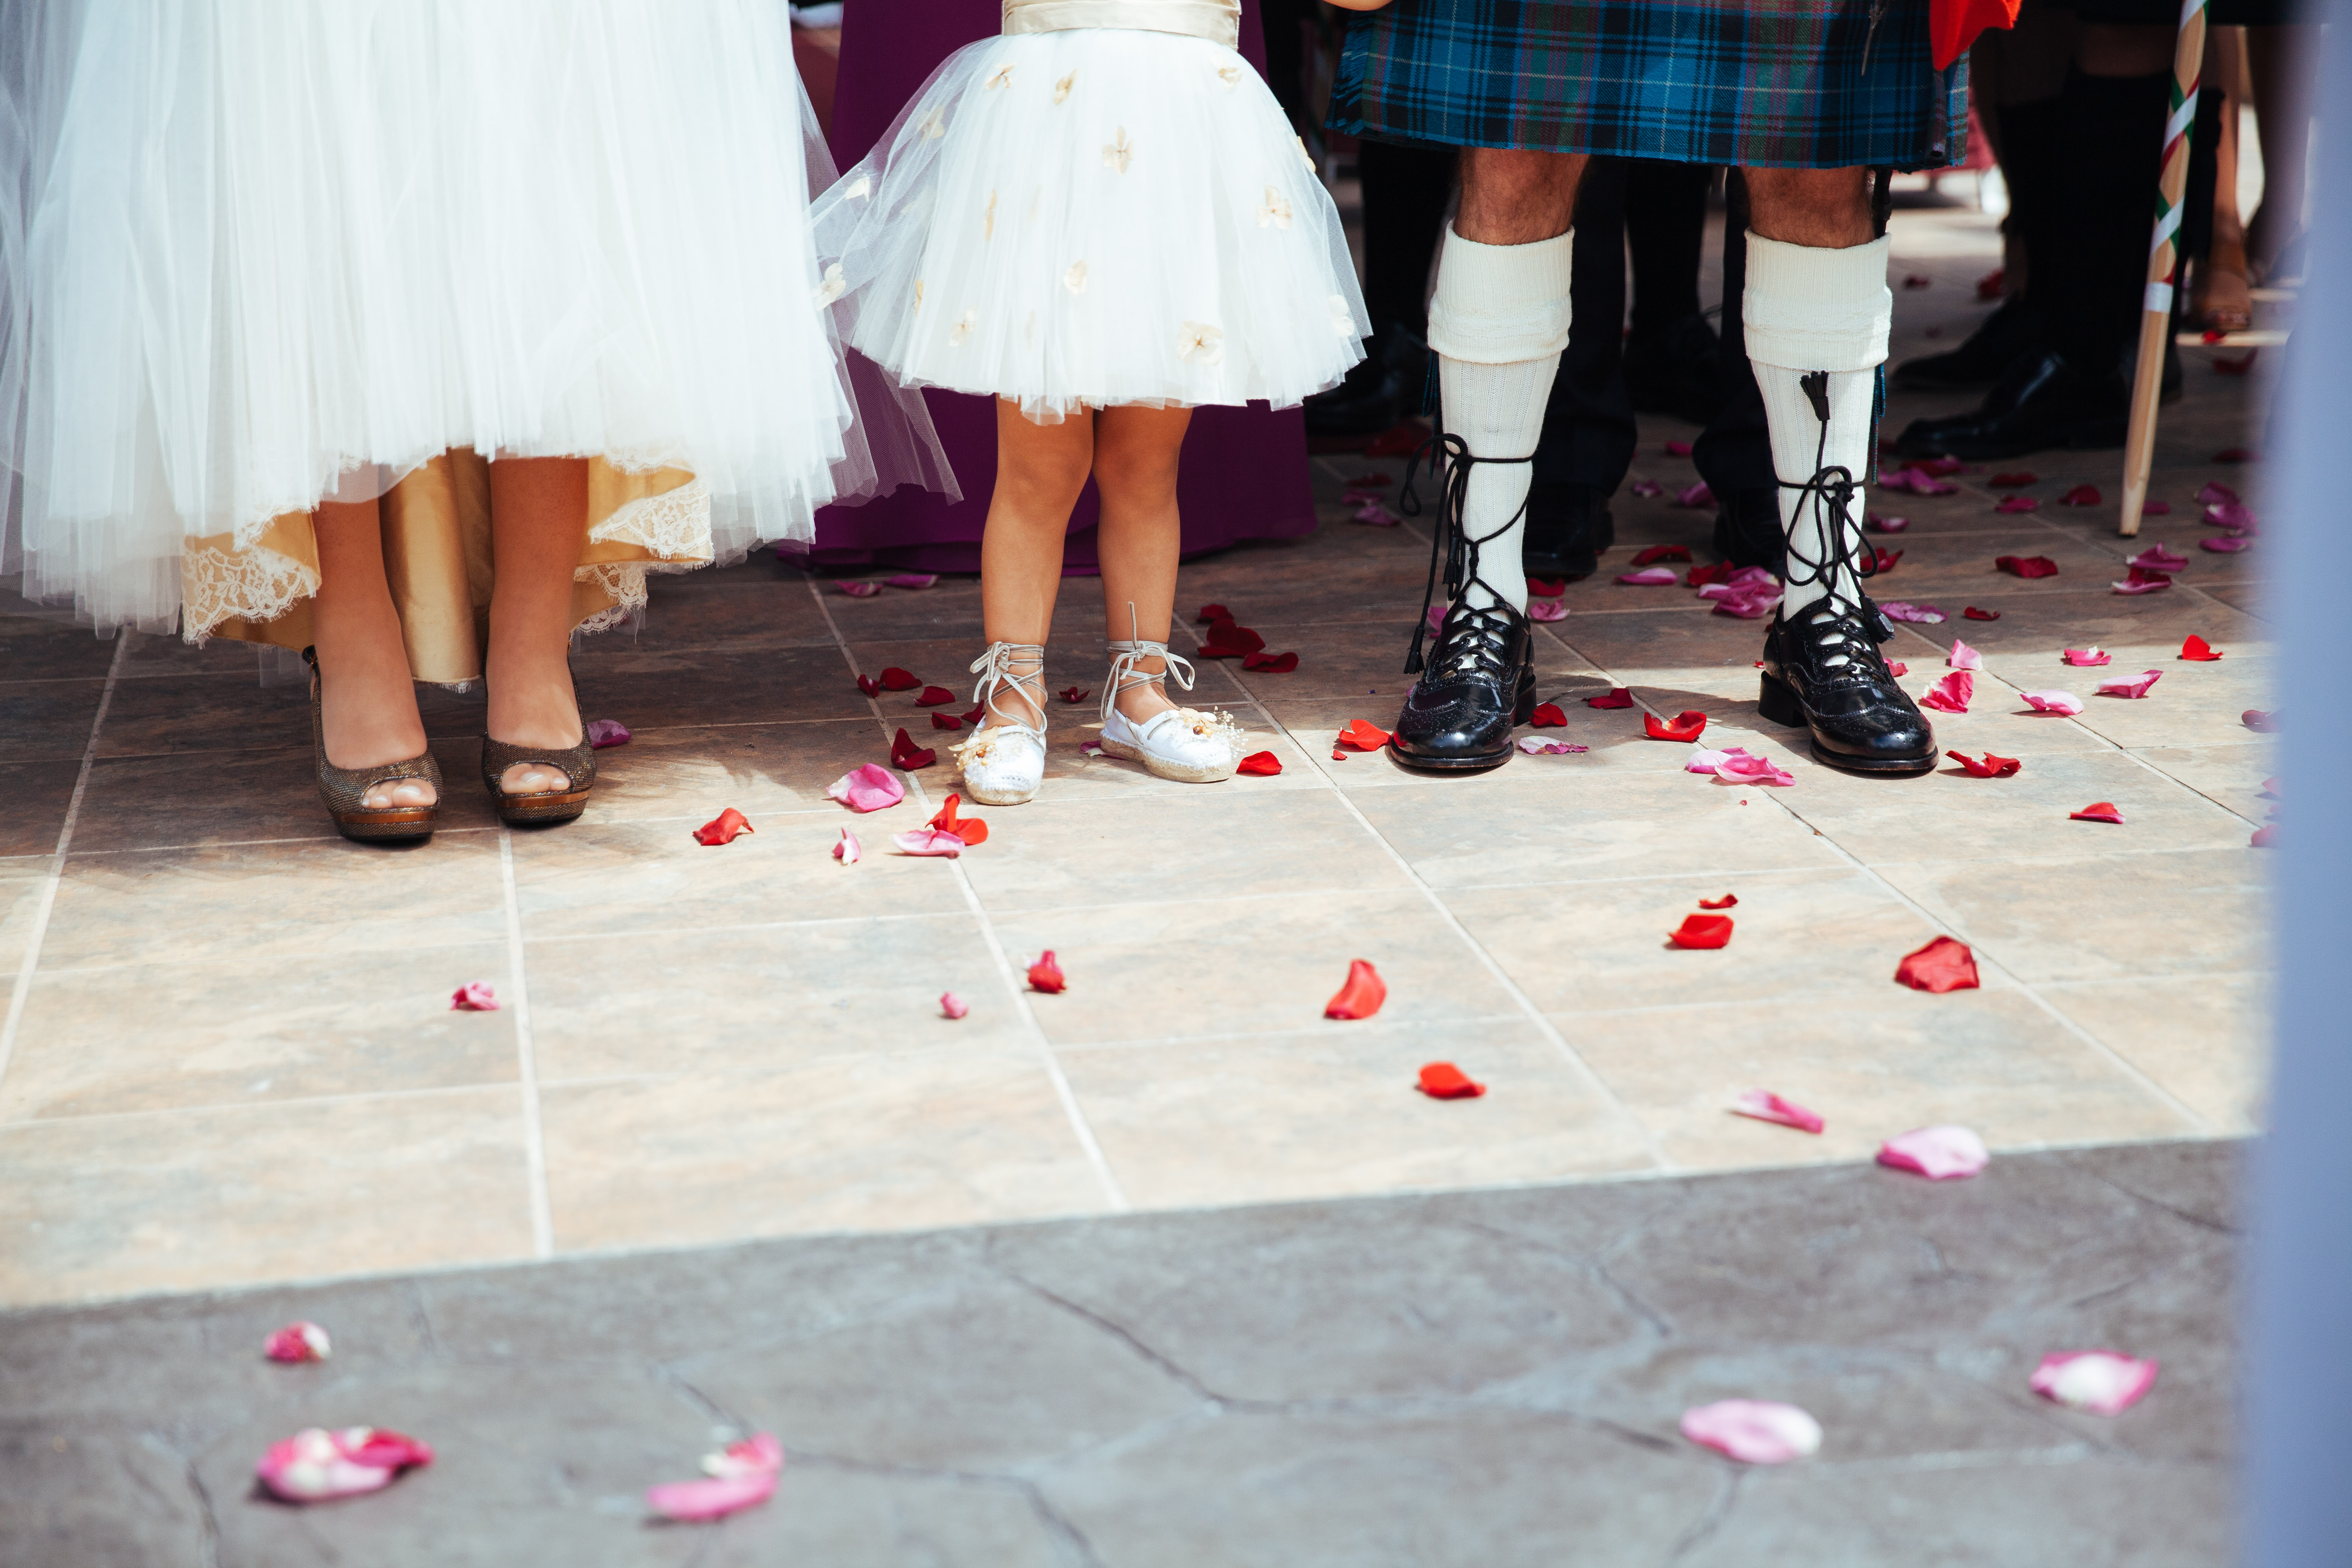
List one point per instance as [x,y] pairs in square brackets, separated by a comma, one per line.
[1764,84]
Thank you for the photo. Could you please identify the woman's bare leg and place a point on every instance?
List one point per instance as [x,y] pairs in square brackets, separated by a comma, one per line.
[368,697]
[1040,471]
[1136,452]
[538,508]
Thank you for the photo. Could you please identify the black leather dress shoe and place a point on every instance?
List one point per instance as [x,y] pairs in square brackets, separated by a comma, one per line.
[1749,531]
[1480,682]
[2039,406]
[1825,674]
[1385,386]
[1568,527]
[1999,340]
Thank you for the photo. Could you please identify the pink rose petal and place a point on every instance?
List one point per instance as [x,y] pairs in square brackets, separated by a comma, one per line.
[603,733]
[2233,514]
[1699,495]
[2142,584]
[859,589]
[2225,546]
[2128,685]
[1915,482]
[1900,610]
[1753,1431]
[1547,610]
[1766,1106]
[1647,487]
[930,841]
[2156,558]
[2064,702]
[847,850]
[1374,513]
[2155,508]
[739,1475]
[1938,1153]
[2104,1382]
[1963,656]
[1535,747]
[953,1005]
[1748,769]
[298,1342]
[2215,490]
[1952,694]
[2017,504]
[1650,577]
[1436,617]
[2086,656]
[474,996]
[1886,524]
[316,1465]
[913,579]
[870,788]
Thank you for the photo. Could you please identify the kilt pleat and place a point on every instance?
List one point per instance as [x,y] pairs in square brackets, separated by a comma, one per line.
[1787,84]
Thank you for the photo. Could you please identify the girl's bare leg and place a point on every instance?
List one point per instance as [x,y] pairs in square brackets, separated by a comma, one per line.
[538,508]
[1136,452]
[1040,469]
[368,697]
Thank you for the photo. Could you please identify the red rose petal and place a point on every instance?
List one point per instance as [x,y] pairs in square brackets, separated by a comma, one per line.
[1212,613]
[869,685]
[1618,697]
[1725,903]
[2235,455]
[2027,565]
[1916,280]
[2018,503]
[906,756]
[1226,641]
[1399,440]
[946,721]
[1685,726]
[1990,767]
[934,696]
[2197,650]
[1046,975]
[1547,716]
[2081,494]
[1941,467]
[1272,663]
[2013,481]
[1942,966]
[1702,930]
[897,680]
[1648,553]
[1074,694]
[2099,811]
[1552,587]
[1989,286]
[1678,448]
[1361,995]
[977,714]
[1364,737]
[1894,667]
[723,828]
[2236,367]
[1444,1080]
[1261,762]
[971,829]
[1700,576]
[1973,614]
[1883,561]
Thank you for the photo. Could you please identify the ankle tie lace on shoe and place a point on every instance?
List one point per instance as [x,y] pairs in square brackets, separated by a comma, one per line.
[1123,657]
[1486,634]
[1842,616]
[995,670]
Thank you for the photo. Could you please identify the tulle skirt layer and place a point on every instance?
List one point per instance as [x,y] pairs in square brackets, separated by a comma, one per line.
[1095,216]
[259,256]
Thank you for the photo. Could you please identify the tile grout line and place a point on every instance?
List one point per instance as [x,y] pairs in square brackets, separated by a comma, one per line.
[534,1140]
[1520,999]
[1114,1195]
[23,989]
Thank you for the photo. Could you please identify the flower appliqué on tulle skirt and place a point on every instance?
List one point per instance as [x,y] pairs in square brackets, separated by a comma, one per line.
[1075,279]
[1003,77]
[1273,209]
[1062,87]
[963,330]
[1197,342]
[1120,153]
[987,218]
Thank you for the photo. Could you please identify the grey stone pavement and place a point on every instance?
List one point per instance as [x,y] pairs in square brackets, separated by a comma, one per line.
[1478,1379]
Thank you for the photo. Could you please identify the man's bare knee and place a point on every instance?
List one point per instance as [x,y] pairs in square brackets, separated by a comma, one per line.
[1825,207]
[1513,196]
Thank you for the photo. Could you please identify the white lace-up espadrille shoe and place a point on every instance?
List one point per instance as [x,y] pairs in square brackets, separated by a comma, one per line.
[1181,743]
[1003,762]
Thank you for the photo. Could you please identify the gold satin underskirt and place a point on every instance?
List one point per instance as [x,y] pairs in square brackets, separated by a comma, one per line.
[1219,21]
[438,559]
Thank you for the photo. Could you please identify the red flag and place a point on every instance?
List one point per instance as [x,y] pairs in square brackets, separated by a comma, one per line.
[1953,24]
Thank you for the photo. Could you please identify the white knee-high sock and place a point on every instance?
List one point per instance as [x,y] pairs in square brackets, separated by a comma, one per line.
[1497,324]
[1808,308]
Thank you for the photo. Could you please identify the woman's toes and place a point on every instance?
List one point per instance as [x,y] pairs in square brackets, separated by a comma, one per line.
[532,778]
[398,795]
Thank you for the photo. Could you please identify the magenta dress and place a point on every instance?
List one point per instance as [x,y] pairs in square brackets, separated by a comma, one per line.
[1245,469]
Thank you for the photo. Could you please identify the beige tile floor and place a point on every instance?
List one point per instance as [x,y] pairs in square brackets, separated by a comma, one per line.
[228,1056]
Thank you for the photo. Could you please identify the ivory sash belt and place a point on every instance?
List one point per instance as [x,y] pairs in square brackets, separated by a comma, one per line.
[1219,21]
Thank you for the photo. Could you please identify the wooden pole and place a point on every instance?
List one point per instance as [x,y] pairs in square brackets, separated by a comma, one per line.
[2163,265]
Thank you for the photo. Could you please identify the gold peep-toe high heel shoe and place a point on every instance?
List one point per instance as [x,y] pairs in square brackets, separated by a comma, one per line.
[344,790]
[579,766]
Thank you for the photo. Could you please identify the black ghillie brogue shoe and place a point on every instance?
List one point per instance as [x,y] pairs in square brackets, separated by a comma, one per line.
[1822,670]
[1479,680]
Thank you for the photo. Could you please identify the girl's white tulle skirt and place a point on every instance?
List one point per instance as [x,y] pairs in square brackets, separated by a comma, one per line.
[1095,216]
[258,255]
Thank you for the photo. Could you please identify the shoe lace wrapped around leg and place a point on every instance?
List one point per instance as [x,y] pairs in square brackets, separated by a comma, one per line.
[1000,668]
[1478,638]
[1836,624]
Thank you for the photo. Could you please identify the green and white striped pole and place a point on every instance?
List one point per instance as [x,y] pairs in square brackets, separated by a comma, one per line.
[2163,263]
